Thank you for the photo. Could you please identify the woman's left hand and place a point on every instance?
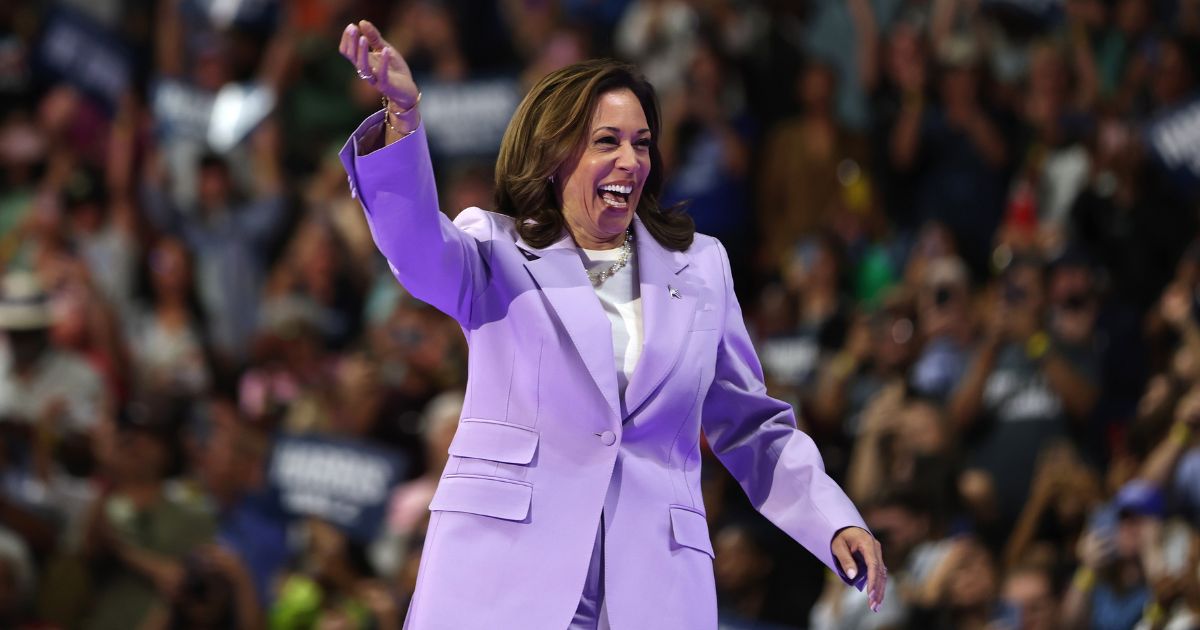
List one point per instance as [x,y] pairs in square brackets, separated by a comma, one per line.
[852,539]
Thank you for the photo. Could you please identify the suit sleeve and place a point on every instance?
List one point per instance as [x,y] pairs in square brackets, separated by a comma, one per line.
[756,438]
[435,260]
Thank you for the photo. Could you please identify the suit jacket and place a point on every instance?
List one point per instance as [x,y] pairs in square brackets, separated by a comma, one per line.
[544,445]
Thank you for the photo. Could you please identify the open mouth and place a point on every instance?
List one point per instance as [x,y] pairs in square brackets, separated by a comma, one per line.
[615,195]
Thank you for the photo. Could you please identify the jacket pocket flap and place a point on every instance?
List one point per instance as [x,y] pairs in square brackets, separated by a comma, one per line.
[507,499]
[690,529]
[705,319]
[493,440]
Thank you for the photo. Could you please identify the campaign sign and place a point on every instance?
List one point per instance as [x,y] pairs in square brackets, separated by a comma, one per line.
[345,482]
[180,109]
[1175,139]
[77,49]
[791,359]
[1045,9]
[226,13]
[468,119]
[222,120]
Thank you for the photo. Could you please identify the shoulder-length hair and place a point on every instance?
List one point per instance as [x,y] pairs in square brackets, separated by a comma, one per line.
[549,127]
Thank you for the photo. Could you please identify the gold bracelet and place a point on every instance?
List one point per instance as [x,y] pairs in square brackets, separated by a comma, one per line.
[388,113]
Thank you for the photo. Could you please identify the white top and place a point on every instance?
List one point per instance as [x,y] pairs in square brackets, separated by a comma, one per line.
[58,374]
[620,295]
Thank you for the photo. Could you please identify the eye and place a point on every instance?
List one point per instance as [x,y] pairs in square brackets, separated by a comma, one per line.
[644,143]
[606,140]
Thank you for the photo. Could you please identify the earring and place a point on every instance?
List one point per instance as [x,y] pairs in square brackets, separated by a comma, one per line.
[551,178]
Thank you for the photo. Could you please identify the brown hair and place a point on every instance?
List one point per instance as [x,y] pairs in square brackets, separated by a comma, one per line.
[549,126]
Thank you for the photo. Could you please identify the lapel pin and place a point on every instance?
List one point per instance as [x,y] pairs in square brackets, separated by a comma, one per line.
[674,292]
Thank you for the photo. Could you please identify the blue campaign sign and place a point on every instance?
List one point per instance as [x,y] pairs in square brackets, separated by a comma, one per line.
[346,482]
[222,119]
[468,119]
[77,49]
[225,13]
[1045,9]
[1175,140]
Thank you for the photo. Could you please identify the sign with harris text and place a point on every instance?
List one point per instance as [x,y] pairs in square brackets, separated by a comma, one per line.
[343,481]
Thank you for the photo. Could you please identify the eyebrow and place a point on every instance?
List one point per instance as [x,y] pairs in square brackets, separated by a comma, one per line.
[615,130]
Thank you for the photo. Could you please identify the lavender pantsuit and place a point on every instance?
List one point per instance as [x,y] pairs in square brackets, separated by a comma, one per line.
[545,445]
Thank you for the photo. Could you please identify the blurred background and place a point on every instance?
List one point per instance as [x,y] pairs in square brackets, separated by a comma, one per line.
[964,236]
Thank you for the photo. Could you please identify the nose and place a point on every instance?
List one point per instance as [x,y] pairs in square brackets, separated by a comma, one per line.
[627,157]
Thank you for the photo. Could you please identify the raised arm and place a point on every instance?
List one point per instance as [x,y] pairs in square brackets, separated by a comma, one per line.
[778,466]
[387,159]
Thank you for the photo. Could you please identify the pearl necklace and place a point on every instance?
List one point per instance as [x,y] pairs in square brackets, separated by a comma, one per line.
[599,277]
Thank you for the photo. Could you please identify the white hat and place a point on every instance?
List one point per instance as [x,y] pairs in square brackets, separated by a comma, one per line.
[23,303]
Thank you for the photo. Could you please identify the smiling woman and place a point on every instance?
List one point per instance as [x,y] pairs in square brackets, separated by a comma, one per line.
[604,337]
[552,165]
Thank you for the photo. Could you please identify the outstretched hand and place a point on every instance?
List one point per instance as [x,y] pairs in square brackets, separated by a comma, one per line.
[378,63]
[855,539]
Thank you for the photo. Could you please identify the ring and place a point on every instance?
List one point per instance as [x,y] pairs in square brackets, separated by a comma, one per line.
[365,77]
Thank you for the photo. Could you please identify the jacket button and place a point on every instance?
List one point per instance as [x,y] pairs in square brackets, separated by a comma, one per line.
[608,438]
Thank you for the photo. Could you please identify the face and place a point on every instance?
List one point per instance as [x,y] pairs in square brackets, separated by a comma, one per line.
[817,88]
[740,564]
[943,306]
[958,87]
[1023,295]
[214,186]
[921,428]
[318,259]
[1047,73]
[974,581]
[899,530]
[894,333]
[812,265]
[1171,82]
[705,72]
[600,188]
[169,268]
[140,456]
[1031,593]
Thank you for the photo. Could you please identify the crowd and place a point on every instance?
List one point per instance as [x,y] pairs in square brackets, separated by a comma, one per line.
[964,236]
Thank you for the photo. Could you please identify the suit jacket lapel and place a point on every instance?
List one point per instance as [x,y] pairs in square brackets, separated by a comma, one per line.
[667,311]
[560,276]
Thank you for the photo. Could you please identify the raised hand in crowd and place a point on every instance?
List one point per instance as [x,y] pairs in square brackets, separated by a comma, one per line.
[1159,466]
[1064,489]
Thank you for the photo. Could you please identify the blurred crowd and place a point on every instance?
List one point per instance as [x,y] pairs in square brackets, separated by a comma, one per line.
[964,236]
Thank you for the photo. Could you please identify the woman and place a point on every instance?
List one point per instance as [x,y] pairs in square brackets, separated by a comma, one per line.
[603,337]
[168,350]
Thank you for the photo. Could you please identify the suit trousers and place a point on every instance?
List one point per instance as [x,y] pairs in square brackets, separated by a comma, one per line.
[592,613]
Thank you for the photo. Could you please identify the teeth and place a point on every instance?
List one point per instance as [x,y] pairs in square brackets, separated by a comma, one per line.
[624,190]
[614,202]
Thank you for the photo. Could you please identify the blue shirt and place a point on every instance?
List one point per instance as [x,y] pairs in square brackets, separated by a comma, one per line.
[256,529]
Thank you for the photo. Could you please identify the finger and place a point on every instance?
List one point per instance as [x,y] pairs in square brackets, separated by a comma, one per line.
[348,42]
[384,63]
[883,579]
[352,36]
[878,576]
[372,34]
[845,559]
[364,56]
[873,575]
